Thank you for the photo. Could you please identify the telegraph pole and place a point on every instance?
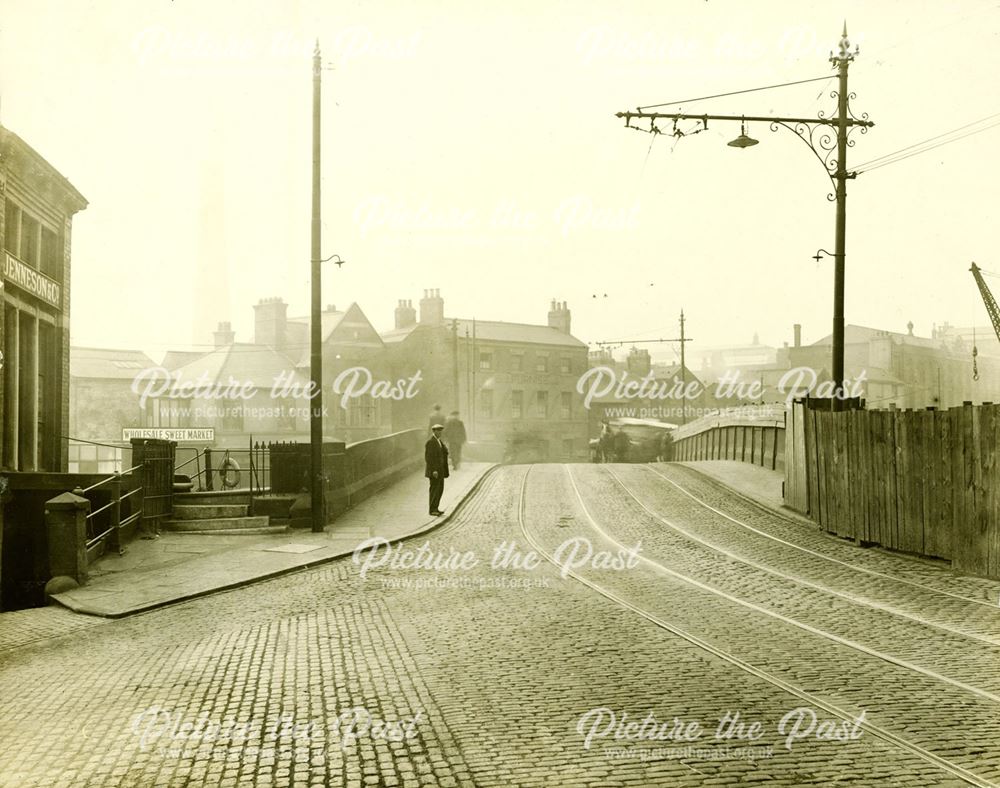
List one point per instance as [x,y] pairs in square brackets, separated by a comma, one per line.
[316,334]
[682,339]
[684,400]
[814,132]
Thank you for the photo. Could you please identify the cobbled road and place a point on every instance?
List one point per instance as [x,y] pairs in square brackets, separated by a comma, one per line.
[682,637]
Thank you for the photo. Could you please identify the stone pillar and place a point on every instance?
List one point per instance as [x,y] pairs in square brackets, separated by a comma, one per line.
[66,532]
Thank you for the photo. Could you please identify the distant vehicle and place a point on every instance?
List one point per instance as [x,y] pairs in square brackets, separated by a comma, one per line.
[644,436]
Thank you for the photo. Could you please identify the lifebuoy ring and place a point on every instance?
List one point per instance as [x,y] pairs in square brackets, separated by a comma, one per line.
[229,481]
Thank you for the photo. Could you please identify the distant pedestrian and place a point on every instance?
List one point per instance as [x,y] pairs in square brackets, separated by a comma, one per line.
[621,443]
[606,444]
[454,438]
[436,464]
[666,447]
[436,417]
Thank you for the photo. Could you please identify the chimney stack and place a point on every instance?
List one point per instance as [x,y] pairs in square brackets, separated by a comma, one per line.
[224,335]
[638,362]
[270,321]
[432,308]
[559,316]
[406,315]
[797,329]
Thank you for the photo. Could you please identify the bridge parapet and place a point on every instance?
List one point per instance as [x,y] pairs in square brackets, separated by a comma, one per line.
[753,434]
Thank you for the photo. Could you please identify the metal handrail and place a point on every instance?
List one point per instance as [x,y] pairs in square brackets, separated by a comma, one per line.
[187,462]
[111,478]
[98,511]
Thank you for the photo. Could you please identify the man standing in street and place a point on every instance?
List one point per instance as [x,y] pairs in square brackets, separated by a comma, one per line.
[454,438]
[436,462]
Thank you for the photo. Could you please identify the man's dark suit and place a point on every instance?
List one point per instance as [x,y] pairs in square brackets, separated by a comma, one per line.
[436,462]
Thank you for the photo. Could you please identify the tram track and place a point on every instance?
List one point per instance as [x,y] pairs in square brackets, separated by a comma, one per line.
[795,690]
[815,553]
[797,579]
[841,641]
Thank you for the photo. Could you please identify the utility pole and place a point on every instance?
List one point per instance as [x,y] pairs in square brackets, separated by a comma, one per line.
[683,340]
[684,399]
[842,60]
[316,334]
[814,132]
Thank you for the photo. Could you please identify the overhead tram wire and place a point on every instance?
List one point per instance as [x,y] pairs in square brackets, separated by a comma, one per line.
[925,146]
[931,139]
[734,93]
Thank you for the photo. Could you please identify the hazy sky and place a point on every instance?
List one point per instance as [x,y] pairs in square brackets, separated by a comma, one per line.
[473,148]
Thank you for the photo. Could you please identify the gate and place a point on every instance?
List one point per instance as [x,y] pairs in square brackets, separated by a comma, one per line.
[155,461]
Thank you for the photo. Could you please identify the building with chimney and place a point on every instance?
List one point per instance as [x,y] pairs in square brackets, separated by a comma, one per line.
[514,384]
[910,371]
[276,363]
[667,381]
[35,232]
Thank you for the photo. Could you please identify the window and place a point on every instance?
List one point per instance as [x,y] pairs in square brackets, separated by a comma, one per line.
[286,419]
[47,389]
[232,417]
[517,404]
[486,404]
[26,403]
[12,226]
[542,404]
[565,366]
[566,405]
[50,263]
[362,412]
[567,447]
[486,361]
[29,241]
[10,375]
[541,363]
[516,361]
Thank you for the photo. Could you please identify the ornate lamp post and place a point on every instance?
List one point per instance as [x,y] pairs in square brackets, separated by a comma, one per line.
[828,138]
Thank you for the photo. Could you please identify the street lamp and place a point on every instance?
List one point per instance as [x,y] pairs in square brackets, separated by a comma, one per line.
[743,141]
[828,138]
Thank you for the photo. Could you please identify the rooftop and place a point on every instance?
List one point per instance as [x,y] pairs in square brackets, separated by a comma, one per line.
[107,363]
[497,331]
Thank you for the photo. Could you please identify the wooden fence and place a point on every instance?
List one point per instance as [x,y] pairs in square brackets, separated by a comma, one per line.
[925,482]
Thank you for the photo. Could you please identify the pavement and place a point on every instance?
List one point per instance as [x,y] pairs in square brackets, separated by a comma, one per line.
[179,566]
[752,481]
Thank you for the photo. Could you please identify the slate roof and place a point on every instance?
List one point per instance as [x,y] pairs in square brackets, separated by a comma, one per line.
[498,331]
[107,363]
[178,358]
[244,362]
[860,335]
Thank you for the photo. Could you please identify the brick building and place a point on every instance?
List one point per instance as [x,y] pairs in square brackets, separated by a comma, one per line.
[907,370]
[667,379]
[276,365]
[36,230]
[513,383]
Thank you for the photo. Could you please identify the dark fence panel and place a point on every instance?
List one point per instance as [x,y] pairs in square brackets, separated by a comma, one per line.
[351,472]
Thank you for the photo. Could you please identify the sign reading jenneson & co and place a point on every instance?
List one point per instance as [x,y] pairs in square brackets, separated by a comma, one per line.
[32,281]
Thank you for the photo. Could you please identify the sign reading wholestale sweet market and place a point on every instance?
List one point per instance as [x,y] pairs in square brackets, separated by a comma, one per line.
[32,281]
[170,433]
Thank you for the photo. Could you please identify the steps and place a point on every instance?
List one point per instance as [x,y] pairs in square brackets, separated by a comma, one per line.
[222,513]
